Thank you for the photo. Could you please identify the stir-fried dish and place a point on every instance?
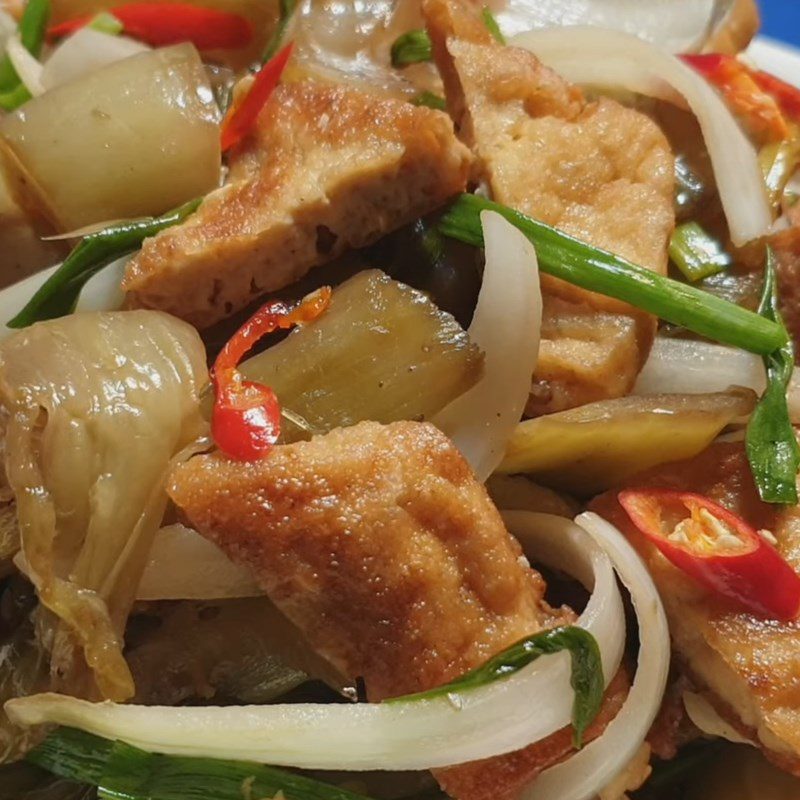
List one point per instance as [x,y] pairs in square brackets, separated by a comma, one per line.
[397,402]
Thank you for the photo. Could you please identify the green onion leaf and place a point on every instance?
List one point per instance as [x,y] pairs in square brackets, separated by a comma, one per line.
[599,271]
[587,672]
[772,448]
[60,292]
[430,100]
[491,23]
[106,22]
[32,28]
[411,48]
[127,773]
[286,10]
[696,253]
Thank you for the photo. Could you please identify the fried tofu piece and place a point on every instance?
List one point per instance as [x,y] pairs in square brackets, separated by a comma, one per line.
[597,170]
[378,542]
[751,665]
[328,168]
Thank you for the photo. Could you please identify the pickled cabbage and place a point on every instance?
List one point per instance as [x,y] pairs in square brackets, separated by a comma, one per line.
[592,448]
[132,139]
[97,406]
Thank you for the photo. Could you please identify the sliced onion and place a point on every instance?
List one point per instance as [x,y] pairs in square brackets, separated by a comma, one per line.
[86,50]
[8,26]
[583,775]
[705,717]
[183,565]
[27,67]
[508,714]
[690,367]
[101,293]
[680,26]
[506,326]
[620,60]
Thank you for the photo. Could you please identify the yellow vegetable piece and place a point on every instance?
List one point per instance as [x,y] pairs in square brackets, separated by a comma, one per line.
[133,139]
[382,352]
[590,449]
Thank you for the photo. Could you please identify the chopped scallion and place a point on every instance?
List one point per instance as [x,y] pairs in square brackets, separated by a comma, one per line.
[772,448]
[411,48]
[59,294]
[491,23]
[286,9]
[587,672]
[127,773]
[106,22]
[32,27]
[430,100]
[696,253]
[599,271]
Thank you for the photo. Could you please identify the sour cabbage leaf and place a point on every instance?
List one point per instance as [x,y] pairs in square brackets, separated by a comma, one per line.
[97,407]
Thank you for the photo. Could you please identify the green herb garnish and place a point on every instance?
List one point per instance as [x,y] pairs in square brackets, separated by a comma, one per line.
[772,448]
[106,22]
[59,294]
[587,672]
[411,48]
[31,31]
[491,23]
[127,773]
[430,100]
[696,253]
[286,9]
[599,271]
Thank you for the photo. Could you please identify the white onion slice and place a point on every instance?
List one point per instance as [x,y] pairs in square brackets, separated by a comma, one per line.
[583,775]
[8,27]
[27,67]
[707,719]
[685,366]
[680,26]
[509,714]
[506,326]
[620,60]
[85,51]
[101,293]
[183,565]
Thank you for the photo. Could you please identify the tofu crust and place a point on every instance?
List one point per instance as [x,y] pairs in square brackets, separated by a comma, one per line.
[750,664]
[599,171]
[328,168]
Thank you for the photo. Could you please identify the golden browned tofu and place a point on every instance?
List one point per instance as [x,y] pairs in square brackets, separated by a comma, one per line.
[328,168]
[378,542]
[751,665]
[597,170]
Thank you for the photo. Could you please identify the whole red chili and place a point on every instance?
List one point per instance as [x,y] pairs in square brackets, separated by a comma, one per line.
[246,421]
[717,548]
[241,118]
[160,24]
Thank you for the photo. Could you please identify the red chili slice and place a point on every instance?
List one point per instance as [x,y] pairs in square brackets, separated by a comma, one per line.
[717,548]
[242,117]
[160,24]
[246,421]
[744,92]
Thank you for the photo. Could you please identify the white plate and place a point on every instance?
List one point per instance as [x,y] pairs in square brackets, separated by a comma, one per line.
[780,59]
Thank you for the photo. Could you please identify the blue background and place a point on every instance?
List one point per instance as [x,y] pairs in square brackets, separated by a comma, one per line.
[781,20]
